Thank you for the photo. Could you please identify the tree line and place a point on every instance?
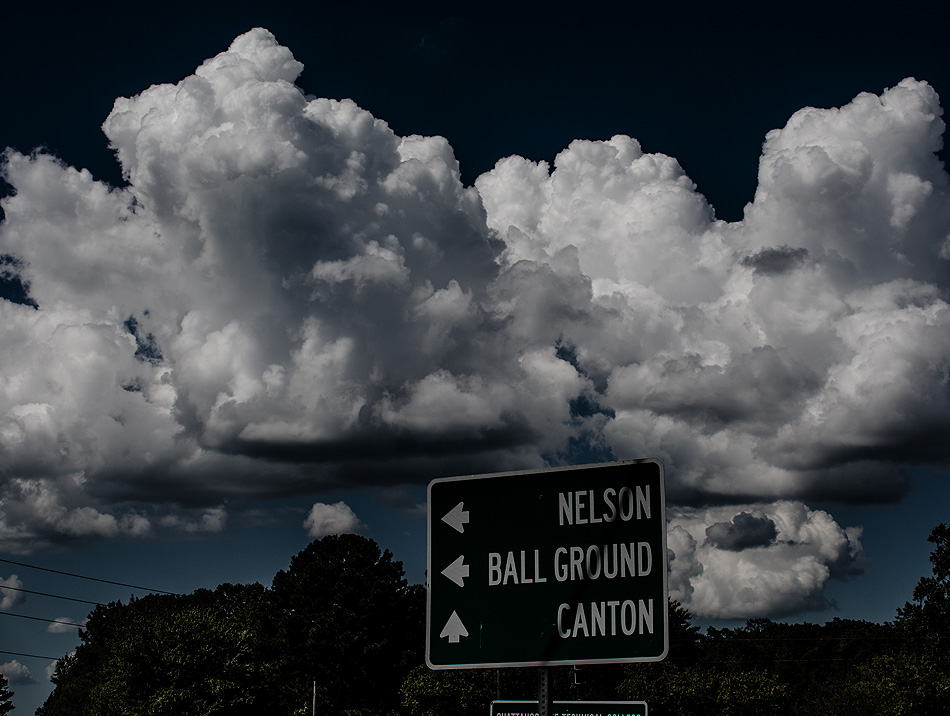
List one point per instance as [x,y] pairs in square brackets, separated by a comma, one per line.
[341,627]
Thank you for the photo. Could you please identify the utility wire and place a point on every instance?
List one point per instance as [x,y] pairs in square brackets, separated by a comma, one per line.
[82,576]
[46,594]
[41,619]
[32,656]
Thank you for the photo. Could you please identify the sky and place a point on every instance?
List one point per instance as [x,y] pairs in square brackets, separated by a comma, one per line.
[267,272]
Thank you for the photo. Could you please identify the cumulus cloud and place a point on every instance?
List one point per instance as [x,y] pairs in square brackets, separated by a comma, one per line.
[334,519]
[63,625]
[285,281]
[288,296]
[9,598]
[771,560]
[16,673]
[41,509]
[765,357]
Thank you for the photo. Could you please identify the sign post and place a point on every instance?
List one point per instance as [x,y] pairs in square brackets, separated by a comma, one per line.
[557,566]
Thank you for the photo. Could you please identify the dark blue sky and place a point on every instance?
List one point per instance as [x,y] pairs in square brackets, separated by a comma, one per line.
[699,82]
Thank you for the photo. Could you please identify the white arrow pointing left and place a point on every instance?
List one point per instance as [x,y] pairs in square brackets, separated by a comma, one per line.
[457,571]
[454,629]
[457,518]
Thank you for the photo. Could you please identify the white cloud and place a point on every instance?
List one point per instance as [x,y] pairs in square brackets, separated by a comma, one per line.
[204,314]
[16,673]
[758,560]
[50,508]
[63,625]
[769,357]
[288,295]
[615,206]
[334,519]
[9,598]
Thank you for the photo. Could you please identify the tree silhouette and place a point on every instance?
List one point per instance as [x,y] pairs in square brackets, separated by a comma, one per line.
[6,705]
[202,653]
[928,615]
[350,623]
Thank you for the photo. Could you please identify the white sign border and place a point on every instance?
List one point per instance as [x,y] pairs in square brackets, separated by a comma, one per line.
[541,471]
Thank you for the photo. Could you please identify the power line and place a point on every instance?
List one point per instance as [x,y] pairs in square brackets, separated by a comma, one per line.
[32,656]
[41,619]
[46,594]
[82,576]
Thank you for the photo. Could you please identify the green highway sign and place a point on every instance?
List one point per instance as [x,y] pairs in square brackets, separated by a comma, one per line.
[570,708]
[564,565]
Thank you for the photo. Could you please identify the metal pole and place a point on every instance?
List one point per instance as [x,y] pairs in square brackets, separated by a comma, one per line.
[545,696]
[314,697]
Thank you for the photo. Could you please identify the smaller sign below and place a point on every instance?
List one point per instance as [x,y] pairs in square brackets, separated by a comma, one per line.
[571,708]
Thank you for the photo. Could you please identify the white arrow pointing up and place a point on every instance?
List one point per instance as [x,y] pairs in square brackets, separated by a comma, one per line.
[457,517]
[457,571]
[454,629]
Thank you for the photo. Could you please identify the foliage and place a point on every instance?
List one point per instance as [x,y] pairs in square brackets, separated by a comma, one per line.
[927,618]
[684,637]
[6,705]
[351,622]
[687,683]
[901,683]
[465,692]
[806,655]
[701,690]
[203,653]
[342,616]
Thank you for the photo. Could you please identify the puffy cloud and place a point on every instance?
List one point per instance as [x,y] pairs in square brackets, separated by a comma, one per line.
[759,560]
[615,206]
[288,296]
[283,281]
[334,519]
[63,625]
[17,673]
[799,353]
[42,509]
[859,186]
[9,598]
